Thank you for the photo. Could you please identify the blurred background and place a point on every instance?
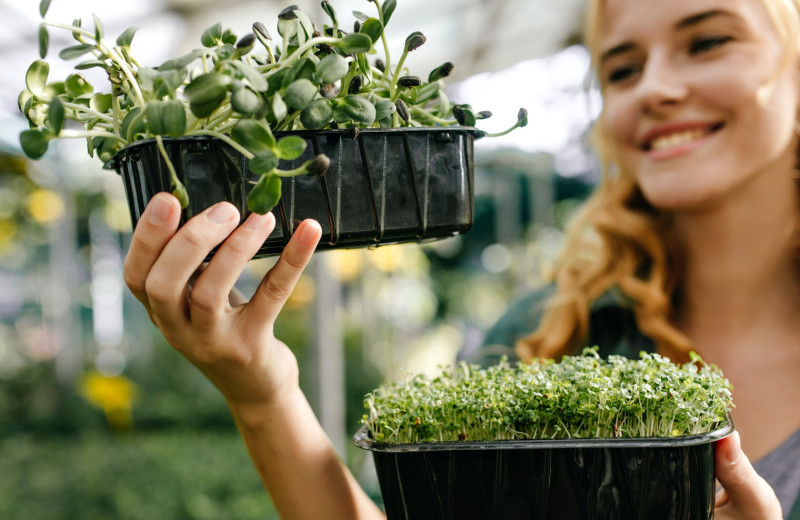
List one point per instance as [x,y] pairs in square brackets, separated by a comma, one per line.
[99,418]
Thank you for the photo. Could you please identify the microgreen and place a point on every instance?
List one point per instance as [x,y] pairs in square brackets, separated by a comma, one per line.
[582,396]
[310,80]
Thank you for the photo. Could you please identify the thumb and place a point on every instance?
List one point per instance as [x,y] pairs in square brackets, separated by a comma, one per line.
[746,494]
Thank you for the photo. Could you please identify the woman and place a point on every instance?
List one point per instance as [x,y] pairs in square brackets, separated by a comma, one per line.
[692,231]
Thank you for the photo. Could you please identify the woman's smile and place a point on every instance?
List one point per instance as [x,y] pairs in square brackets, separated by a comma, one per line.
[677,139]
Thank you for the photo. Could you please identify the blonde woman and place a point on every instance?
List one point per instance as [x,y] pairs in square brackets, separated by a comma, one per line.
[688,244]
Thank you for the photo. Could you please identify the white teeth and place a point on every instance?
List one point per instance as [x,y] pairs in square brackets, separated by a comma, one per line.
[676,139]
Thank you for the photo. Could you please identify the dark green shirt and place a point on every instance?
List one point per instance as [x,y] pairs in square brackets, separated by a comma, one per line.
[612,327]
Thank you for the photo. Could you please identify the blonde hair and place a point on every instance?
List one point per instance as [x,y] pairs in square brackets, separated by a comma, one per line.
[620,240]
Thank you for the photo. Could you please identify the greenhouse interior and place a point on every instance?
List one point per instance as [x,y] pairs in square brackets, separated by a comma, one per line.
[101,418]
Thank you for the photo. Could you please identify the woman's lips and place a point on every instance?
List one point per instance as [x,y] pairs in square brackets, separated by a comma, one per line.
[669,142]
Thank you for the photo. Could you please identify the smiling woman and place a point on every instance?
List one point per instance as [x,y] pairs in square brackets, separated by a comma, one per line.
[694,226]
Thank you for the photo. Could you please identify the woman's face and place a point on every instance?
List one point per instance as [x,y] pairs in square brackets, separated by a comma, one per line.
[699,100]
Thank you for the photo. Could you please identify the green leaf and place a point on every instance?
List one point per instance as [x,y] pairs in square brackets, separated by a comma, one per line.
[373,28]
[100,103]
[98,28]
[212,36]
[44,5]
[265,194]
[23,99]
[34,142]
[44,40]
[77,87]
[317,114]
[133,124]
[300,93]
[279,108]
[388,8]
[36,77]
[358,109]
[291,147]
[384,108]
[288,28]
[354,43]
[75,34]
[206,92]
[275,81]
[332,68]
[428,92]
[55,114]
[181,61]
[75,51]
[303,68]
[245,101]
[126,38]
[229,37]
[166,117]
[254,77]
[88,64]
[264,162]
[253,135]
[364,67]
[225,51]
[328,8]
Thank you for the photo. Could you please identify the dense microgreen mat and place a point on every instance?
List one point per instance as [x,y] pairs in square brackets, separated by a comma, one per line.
[582,396]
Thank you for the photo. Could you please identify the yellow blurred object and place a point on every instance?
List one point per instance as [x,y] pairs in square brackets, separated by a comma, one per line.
[118,216]
[388,258]
[114,395]
[345,264]
[8,229]
[406,258]
[303,293]
[45,206]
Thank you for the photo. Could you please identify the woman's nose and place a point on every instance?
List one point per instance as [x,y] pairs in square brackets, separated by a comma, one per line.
[661,85]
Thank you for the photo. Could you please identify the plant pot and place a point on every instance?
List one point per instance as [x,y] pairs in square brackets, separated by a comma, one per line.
[568,479]
[384,186]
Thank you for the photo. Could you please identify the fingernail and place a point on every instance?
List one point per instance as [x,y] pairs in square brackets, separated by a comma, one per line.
[256,221]
[159,209]
[221,213]
[308,232]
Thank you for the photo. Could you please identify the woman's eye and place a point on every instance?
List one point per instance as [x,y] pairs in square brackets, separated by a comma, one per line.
[622,73]
[706,44]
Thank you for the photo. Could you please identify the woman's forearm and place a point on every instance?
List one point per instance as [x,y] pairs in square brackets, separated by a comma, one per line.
[297,463]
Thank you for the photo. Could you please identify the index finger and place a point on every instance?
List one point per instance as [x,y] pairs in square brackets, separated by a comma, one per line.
[153,230]
[277,285]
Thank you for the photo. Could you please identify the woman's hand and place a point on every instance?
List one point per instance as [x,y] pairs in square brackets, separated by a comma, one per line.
[232,344]
[744,494]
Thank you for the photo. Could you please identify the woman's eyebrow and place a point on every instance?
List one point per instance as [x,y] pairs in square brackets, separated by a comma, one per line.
[684,23]
[695,19]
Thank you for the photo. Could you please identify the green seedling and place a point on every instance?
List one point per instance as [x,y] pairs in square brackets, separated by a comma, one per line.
[580,397]
[238,90]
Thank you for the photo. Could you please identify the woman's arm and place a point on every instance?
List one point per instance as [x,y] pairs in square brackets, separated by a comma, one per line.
[234,345]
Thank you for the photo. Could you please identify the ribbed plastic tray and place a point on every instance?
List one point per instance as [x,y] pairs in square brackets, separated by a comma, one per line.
[384,186]
[565,479]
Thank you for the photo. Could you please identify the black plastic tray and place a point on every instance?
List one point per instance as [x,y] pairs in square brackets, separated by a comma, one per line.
[384,186]
[564,479]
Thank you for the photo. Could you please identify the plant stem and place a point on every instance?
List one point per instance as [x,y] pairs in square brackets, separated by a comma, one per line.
[504,132]
[300,51]
[398,70]
[90,134]
[88,111]
[227,140]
